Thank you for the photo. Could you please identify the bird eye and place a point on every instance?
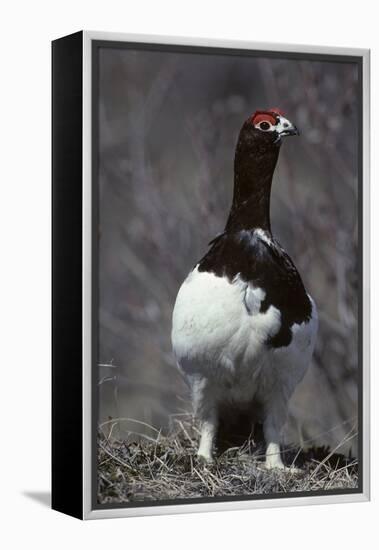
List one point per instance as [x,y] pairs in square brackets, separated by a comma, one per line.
[264,125]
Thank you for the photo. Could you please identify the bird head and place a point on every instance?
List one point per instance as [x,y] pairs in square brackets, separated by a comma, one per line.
[268,127]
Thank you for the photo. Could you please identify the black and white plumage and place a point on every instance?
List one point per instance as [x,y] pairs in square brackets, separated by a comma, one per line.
[244,327]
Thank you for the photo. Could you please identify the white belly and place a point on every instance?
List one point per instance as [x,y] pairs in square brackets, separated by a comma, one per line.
[219,334]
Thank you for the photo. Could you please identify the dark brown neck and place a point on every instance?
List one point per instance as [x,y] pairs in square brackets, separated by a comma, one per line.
[253,173]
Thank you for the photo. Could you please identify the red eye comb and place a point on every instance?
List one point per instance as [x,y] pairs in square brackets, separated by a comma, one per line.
[270,116]
[263,116]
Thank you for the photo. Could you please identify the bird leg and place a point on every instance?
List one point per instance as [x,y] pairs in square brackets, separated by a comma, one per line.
[275,418]
[207,438]
[206,411]
[273,458]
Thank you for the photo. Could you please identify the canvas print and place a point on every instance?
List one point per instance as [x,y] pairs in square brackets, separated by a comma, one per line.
[228,260]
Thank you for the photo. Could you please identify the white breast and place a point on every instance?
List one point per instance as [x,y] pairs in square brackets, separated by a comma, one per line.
[220,334]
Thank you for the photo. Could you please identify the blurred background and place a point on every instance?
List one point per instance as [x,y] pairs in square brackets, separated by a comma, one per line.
[168,125]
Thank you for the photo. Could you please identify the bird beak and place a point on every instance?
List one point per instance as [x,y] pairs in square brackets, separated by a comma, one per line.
[286,128]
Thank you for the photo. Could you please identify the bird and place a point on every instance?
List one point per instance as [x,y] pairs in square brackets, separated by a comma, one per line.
[243,325]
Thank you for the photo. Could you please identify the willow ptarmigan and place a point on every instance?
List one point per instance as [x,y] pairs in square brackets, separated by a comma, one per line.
[244,327]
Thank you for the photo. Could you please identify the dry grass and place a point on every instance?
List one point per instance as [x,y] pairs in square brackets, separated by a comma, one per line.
[165,467]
